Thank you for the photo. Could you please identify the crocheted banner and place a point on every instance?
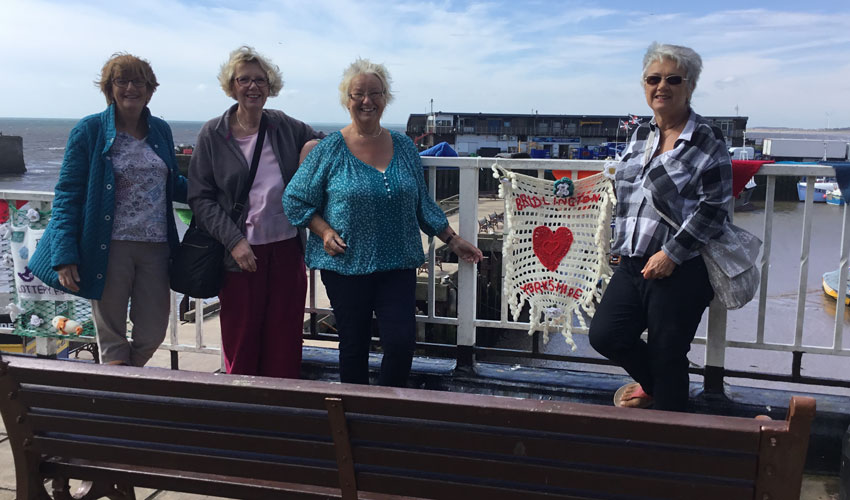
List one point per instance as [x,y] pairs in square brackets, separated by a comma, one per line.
[556,243]
[24,238]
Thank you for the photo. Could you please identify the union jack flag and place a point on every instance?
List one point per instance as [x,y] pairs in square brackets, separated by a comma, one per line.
[624,125]
[634,119]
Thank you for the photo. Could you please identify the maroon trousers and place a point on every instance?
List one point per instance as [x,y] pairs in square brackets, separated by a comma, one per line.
[262,313]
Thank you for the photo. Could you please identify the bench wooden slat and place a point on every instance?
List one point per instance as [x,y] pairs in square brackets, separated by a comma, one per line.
[650,456]
[564,476]
[444,490]
[234,440]
[617,423]
[311,472]
[301,422]
[203,484]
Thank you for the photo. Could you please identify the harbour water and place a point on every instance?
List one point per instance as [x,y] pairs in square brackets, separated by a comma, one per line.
[44,142]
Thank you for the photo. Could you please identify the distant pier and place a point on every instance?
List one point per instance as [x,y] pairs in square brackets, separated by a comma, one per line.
[12,155]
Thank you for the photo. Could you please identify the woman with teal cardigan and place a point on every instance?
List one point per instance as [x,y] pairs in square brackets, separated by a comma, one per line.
[361,192]
[112,226]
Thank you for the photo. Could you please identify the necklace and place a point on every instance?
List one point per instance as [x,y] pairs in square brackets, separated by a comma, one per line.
[370,136]
[246,129]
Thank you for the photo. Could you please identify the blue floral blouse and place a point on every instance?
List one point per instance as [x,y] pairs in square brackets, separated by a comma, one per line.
[378,215]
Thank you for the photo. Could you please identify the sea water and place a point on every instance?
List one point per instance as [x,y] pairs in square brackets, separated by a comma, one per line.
[44,141]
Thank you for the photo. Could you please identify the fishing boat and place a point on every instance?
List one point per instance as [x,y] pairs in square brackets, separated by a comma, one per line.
[830,286]
[834,197]
[823,185]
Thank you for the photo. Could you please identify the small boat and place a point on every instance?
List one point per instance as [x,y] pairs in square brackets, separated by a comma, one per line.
[822,187]
[830,286]
[834,198]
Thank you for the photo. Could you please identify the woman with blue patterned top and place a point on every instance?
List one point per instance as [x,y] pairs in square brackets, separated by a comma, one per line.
[362,194]
[112,228]
[681,163]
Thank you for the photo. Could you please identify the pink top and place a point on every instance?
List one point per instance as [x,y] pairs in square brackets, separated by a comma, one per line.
[266,222]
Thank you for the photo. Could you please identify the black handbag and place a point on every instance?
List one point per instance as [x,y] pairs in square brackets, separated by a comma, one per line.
[197,267]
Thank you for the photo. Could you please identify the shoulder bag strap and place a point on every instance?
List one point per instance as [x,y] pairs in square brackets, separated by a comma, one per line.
[647,158]
[255,161]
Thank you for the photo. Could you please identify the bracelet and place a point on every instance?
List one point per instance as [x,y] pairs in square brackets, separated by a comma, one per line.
[449,239]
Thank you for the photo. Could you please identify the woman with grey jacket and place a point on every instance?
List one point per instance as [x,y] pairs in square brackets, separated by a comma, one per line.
[262,298]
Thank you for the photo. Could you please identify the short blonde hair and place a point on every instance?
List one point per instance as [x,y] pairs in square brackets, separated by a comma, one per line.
[364,67]
[121,64]
[246,54]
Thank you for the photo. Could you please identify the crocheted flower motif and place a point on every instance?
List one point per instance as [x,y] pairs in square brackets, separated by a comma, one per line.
[564,187]
[14,310]
[35,321]
[610,169]
[33,215]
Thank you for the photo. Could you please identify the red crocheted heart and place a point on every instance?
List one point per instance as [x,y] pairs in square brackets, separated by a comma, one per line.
[551,247]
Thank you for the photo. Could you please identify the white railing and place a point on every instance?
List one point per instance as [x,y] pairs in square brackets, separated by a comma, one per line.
[715,340]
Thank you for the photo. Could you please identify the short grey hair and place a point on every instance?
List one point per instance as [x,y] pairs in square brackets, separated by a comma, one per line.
[684,57]
[246,54]
[364,67]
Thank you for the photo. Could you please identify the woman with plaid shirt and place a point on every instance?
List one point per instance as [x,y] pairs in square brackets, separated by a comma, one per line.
[661,285]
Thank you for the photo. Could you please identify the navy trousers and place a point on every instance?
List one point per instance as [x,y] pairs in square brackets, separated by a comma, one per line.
[669,309]
[391,295]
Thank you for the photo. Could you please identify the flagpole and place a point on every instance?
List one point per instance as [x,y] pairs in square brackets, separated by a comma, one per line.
[617,140]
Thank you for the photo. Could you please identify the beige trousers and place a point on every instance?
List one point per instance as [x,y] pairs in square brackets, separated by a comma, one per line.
[136,274]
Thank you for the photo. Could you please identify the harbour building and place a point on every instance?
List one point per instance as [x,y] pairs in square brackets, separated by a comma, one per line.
[552,136]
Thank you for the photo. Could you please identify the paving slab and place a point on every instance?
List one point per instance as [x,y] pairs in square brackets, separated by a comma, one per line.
[820,488]
[7,494]
[7,467]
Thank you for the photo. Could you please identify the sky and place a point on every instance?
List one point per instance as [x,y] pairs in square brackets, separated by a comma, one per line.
[781,63]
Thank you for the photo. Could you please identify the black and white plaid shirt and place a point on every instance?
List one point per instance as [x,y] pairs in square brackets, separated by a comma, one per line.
[692,184]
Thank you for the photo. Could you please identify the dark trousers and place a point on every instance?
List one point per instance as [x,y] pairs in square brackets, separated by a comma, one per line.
[262,313]
[670,310]
[392,297]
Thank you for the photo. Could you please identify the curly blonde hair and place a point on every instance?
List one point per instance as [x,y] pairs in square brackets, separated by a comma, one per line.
[246,54]
[364,67]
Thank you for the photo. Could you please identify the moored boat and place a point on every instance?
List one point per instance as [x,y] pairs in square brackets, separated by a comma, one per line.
[822,187]
[834,197]
[830,286]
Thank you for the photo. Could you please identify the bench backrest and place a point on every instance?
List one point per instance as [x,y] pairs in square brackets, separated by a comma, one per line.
[260,436]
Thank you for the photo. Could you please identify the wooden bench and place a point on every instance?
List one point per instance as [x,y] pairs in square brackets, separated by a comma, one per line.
[251,437]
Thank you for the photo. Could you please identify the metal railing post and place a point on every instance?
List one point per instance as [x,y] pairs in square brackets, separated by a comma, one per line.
[467,273]
[715,340]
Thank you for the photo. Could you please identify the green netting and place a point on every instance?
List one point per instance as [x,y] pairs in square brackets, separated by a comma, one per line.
[34,318]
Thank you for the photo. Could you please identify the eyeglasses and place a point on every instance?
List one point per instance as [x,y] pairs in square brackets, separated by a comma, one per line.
[245,81]
[359,96]
[671,80]
[124,83]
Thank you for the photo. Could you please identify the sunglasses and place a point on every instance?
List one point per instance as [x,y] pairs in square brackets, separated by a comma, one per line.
[671,80]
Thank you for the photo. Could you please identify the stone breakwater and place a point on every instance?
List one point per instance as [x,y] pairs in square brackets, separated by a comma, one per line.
[12,155]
